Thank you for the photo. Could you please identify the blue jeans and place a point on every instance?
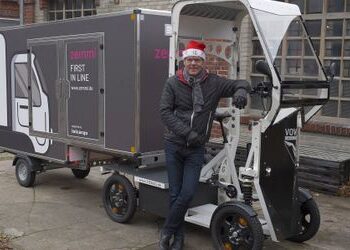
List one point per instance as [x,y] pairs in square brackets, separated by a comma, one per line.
[184,166]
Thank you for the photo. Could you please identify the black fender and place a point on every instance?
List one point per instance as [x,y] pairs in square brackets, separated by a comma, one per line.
[241,205]
[34,164]
[304,195]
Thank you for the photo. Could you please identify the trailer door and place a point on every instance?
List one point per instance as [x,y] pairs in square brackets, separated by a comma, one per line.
[84,78]
[44,66]
[70,69]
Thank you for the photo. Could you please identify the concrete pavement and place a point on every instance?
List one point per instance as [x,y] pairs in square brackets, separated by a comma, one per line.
[62,212]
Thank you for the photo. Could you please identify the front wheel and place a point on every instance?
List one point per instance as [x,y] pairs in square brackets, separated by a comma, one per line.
[309,221]
[236,226]
[119,198]
[24,174]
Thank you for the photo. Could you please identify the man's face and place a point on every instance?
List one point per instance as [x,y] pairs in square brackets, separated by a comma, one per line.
[193,65]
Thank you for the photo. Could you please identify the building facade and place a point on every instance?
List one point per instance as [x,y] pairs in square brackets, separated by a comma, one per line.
[328,22]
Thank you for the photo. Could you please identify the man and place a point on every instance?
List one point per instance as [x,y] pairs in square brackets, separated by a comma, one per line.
[187,106]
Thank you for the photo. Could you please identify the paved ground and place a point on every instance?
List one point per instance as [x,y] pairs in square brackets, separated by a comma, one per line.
[62,212]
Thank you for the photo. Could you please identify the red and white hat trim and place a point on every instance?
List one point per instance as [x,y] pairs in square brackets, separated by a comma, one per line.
[193,52]
[194,48]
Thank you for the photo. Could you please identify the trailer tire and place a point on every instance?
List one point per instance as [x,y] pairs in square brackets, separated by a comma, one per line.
[234,226]
[119,198]
[24,173]
[80,173]
[310,221]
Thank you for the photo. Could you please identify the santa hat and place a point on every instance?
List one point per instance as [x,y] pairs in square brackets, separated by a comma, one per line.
[194,48]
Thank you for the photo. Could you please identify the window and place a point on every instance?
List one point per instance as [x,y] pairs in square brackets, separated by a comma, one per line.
[295,29]
[333,47]
[334,88]
[277,64]
[307,47]
[347,32]
[334,28]
[335,6]
[21,80]
[300,3]
[257,50]
[65,9]
[347,48]
[346,68]
[310,67]
[293,66]
[294,48]
[346,88]
[330,109]
[327,63]
[313,27]
[345,109]
[348,6]
[314,6]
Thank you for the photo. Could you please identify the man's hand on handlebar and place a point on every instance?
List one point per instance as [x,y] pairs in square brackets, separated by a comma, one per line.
[240,98]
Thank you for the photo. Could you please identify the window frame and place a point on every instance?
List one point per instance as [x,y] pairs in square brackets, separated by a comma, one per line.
[63,12]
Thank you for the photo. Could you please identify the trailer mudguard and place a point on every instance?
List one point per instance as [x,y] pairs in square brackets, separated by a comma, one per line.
[241,205]
[33,163]
[304,195]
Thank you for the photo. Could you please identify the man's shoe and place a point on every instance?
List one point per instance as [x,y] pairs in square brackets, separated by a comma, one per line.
[178,243]
[164,241]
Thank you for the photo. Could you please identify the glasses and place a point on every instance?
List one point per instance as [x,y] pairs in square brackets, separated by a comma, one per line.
[195,60]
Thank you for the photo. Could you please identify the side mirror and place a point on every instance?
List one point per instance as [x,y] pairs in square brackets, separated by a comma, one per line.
[262,67]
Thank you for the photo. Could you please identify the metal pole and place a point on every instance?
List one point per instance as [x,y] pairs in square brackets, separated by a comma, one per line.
[21,12]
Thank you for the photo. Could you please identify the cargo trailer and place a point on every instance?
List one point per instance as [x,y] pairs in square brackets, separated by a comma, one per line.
[85,91]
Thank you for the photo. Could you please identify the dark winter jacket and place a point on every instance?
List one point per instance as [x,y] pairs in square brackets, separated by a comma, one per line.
[176,106]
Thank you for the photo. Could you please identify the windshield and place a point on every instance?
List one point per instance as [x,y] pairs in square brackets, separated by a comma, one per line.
[289,47]
[291,50]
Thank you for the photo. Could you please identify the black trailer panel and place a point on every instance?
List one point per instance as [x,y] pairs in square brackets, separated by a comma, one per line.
[93,83]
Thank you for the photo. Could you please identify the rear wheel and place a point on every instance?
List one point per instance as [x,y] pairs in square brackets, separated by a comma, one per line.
[309,221]
[234,227]
[80,173]
[119,198]
[24,174]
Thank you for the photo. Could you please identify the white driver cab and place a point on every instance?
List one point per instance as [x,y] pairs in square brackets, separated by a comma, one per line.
[224,26]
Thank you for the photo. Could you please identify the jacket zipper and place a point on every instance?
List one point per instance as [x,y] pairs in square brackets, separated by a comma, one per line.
[206,132]
[191,123]
[192,116]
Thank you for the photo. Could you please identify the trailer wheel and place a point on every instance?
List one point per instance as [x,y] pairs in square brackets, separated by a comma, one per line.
[309,220]
[119,198]
[235,227]
[80,173]
[24,174]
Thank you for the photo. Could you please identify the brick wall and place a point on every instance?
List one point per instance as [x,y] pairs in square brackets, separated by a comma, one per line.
[9,9]
[29,11]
